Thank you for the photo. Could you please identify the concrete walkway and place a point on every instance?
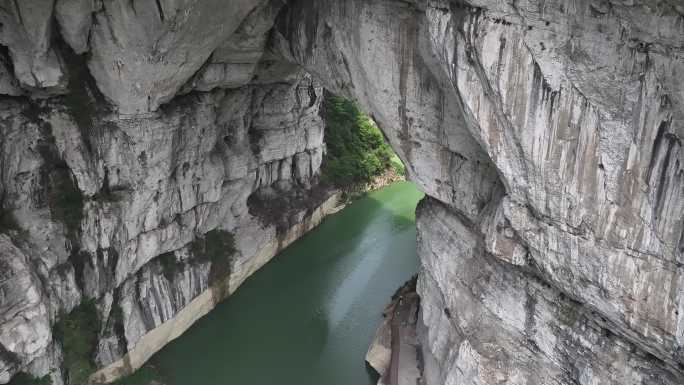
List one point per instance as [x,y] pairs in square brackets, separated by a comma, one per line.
[404,364]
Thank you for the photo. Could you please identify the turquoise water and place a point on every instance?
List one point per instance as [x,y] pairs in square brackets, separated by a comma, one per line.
[308,316]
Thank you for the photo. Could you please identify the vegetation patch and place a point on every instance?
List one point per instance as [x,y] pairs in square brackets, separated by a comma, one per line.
[357,151]
[77,332]
[170,265]
[216,246]
[397,165]
[281,209]
[27,379]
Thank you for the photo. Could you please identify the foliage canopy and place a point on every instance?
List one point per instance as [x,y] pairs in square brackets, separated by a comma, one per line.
[357,151]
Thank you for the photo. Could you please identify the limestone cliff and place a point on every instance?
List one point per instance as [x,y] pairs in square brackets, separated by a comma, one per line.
[547,135]
[102,203]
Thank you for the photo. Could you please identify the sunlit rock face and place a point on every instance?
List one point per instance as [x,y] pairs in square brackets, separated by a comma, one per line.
[547,135]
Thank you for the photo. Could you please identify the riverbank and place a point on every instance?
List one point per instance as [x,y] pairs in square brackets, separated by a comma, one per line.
[307,316]
[155,339]
[358,190]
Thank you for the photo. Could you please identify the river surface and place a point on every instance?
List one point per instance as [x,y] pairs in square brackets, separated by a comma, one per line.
[309,315]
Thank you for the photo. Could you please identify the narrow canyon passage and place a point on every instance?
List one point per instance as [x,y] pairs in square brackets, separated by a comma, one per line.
[332,286]
[154,155]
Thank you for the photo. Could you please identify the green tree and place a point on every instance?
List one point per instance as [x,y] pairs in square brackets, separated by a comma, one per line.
[77,331]
[357,151]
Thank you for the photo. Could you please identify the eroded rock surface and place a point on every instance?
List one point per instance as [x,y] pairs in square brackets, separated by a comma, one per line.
[547,135]
[553,134]
[105,205]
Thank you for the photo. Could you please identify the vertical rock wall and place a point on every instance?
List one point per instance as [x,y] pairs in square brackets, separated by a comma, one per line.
[547,135]
[146,188]
[104,195]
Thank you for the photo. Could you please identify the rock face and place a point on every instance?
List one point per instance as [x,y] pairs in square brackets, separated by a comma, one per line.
[101,203]
[549,138]
[547,135]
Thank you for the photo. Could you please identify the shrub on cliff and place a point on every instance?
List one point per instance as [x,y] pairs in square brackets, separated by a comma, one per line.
[27,379]
[357,151]
[170,265]
[77,332]
[218,247]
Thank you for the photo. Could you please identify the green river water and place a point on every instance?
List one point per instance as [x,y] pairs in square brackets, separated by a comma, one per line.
[309,315]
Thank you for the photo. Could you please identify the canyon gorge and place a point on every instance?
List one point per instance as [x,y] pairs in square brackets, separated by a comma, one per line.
[139,137]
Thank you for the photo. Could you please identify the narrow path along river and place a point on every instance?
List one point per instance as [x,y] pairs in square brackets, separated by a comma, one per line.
[309,315]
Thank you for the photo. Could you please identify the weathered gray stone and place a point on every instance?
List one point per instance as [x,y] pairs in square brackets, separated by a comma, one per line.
[236,61]
[486,322]
[75,19]
[24,319]
[8,83]
[547,134]
[142,52]
[150,185]
[576,110]
[27,33]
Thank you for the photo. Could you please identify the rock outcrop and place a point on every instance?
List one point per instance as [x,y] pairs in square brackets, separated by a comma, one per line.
[547,135]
